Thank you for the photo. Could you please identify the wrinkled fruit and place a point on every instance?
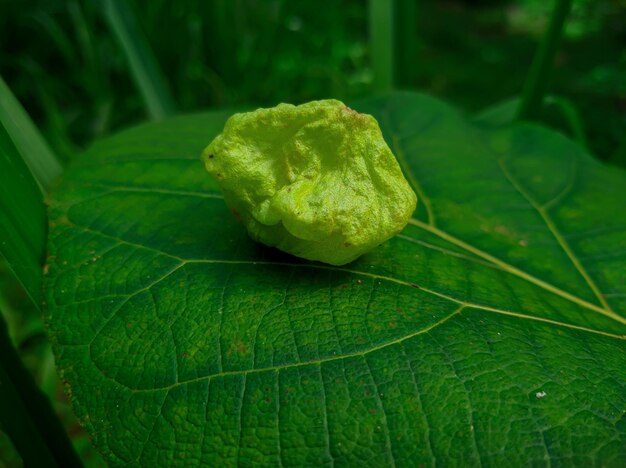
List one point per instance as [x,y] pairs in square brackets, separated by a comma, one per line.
[317,180]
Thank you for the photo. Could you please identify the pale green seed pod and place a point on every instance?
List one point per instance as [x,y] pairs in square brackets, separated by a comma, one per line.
[317,180]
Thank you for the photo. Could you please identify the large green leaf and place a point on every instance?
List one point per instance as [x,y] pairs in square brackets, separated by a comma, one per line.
[490,331]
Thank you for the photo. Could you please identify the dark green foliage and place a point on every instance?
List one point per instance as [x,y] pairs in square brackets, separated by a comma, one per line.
[63,63]
[472,58]
[26,414]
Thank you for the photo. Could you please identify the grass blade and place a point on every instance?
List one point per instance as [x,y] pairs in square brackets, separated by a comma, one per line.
[22,218]
[145,70]
[28,141]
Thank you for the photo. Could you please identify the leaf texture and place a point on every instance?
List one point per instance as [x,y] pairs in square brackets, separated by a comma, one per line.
[490,331]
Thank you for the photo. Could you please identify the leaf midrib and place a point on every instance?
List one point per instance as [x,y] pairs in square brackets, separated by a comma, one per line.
[507,267]
[184,261]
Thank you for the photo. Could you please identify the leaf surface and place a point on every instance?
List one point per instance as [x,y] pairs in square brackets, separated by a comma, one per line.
[490,331]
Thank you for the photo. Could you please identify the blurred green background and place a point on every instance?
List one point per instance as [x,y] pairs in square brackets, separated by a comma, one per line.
[65,61]
[66,66]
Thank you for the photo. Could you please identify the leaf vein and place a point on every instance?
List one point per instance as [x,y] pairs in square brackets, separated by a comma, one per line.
[381,407]
[279,367]
[559,238]
[516,271]
[402,159]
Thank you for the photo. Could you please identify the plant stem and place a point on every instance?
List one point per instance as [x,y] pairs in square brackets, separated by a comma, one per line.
[148,76]
[537,81]
[381,43]
[26,415]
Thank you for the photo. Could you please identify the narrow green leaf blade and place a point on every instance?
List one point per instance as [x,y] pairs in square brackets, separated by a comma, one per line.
[146,72]
[22,219]
[490,332]
[29,143]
